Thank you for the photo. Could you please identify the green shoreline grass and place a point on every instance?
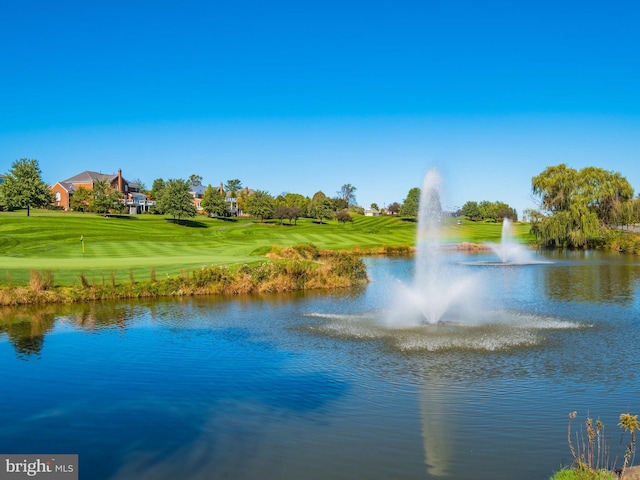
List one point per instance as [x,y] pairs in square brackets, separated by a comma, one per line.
[132,246]
[294,269]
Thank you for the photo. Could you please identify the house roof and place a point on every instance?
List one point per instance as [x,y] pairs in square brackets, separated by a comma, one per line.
[69,187]
[90,177]
[198,189]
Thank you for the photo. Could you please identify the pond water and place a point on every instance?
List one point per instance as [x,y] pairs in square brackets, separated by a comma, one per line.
[320,385]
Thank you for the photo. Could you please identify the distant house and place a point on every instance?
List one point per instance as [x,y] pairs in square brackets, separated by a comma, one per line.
[197,192]
[234,209]
[371,212]
[130,191]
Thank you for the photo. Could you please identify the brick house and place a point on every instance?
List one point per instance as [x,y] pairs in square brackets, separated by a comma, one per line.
[130,191]
[197,192]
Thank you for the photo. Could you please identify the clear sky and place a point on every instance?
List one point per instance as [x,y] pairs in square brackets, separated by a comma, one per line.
[300,96]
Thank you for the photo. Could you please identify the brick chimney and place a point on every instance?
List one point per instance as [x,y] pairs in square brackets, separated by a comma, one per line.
[120,186]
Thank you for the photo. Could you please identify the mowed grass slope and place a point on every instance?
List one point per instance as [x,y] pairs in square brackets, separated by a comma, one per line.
[134,245]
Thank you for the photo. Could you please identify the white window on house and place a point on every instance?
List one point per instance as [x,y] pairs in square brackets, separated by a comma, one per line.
[57,196]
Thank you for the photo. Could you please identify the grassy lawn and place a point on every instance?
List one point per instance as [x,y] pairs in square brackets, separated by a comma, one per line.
[133,245]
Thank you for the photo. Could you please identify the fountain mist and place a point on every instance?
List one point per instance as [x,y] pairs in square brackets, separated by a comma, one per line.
[439,292]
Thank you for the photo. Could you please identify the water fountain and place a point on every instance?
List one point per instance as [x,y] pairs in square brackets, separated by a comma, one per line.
[509,251]
[446,304]
[441,308]
[438,292]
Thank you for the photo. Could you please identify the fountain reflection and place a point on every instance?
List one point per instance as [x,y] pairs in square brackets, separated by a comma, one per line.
[437,425]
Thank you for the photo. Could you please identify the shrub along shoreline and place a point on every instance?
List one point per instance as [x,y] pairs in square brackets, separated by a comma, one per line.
[301,267]
[287,269]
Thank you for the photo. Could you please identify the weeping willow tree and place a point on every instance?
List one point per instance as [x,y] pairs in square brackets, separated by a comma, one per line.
[577,206]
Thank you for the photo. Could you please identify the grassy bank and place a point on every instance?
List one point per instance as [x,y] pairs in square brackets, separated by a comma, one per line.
[130,247]
[292,269]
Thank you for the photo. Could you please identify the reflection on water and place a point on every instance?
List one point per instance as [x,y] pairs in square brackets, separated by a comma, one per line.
[593,280]
[317,385]
[437,425]
[26,328]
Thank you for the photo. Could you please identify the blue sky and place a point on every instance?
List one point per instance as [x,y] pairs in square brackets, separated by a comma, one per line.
[293,96]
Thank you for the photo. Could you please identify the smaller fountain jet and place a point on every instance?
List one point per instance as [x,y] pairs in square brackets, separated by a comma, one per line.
[508,250]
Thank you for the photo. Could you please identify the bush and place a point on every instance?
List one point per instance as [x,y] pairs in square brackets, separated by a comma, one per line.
[40,282]
[209,275]
[348,265]
[306,251]
[583,473]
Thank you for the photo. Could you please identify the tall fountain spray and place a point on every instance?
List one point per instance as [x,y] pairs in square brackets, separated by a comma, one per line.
[438,293]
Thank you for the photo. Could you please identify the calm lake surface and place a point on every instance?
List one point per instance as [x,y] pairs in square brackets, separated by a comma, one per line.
[320,386]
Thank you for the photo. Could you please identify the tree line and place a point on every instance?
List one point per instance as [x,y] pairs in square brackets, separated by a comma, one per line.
[488,211]
[173,195]
[576,208]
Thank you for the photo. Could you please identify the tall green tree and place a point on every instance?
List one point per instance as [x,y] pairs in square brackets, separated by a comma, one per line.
[554,187]
[260,204]
[156,192]
[339,203]
[299,201]
[635,218]
[488,210]
[24,188]
[606,192]
[503,211]
[348,194]
[411,204]
[104,198]
[471,210]
[578,205]
[142,188]
[195,180]
[81,199]
[213,202]
[176,199]
[322,207]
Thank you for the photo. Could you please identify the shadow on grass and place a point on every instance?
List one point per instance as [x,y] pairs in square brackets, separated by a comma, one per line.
[409,219]
[186,223]
[226,219]
[121,216]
